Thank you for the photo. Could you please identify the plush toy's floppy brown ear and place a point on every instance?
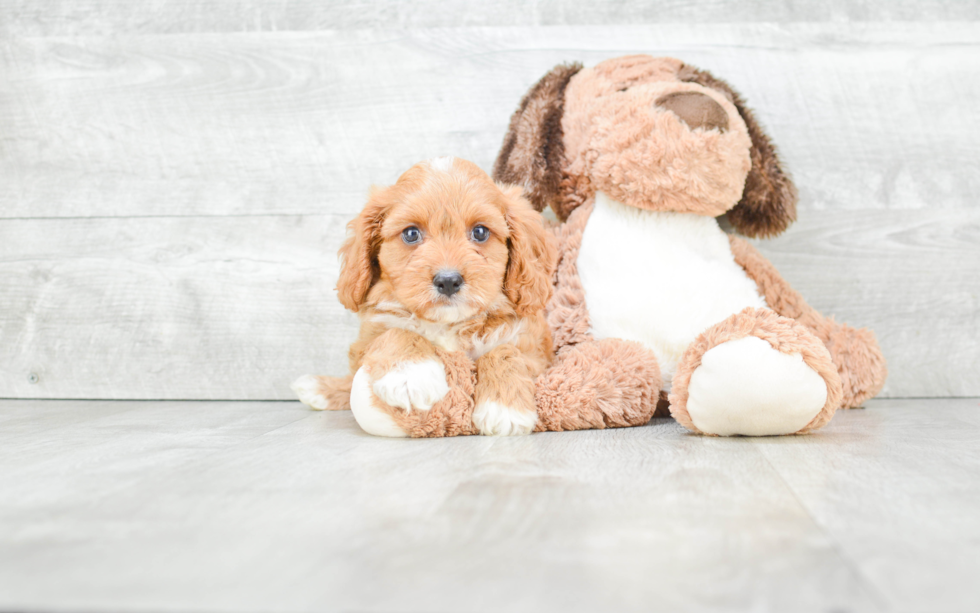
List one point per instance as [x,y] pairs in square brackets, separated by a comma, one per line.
[359,267]
[532,153]
[532,257]
[768,203]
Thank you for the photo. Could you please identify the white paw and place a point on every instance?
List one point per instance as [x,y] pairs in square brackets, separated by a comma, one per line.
[495,419]
[370,418]
[747,387]
[307,389]
[413,385]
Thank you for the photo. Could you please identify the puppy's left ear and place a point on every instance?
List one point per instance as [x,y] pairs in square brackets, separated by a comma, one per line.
[533,254]
[768,204]
[359,268]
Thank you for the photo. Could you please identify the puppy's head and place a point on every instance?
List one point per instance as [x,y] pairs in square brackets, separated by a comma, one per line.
[447,243]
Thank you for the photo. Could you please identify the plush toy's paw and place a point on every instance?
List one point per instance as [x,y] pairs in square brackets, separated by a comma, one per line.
[496,419]
[747,387]
[307,389]
[413,385]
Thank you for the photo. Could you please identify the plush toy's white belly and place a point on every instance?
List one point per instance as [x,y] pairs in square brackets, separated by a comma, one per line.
[659,278]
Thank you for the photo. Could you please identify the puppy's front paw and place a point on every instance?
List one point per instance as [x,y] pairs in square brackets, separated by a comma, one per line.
[413,385]
[496,419]
[307,389]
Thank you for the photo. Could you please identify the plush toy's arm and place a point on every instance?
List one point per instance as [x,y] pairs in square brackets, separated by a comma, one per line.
[855,351]
[567,314]
[779,295]
[609,383]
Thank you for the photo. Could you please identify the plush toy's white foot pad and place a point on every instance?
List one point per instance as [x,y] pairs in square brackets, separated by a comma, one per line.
[747,387]
[369,417]
[413,385]
[307,389]
[495,419]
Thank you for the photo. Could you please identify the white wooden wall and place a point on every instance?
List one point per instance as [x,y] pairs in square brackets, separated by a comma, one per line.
[175,176]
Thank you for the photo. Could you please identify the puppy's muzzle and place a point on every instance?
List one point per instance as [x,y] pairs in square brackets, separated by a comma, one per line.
[447,282]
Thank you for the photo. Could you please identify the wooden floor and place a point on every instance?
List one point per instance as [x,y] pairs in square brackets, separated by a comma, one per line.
[248,506]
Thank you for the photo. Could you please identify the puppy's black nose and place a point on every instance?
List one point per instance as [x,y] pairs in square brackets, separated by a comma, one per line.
[448,282]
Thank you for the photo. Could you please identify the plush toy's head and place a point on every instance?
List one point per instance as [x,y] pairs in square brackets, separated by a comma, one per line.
[652,133]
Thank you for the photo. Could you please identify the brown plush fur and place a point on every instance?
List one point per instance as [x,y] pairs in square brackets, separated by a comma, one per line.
[533,149]
[592,384]
[610,383]
[712,158]
[645,155]
[567,314]
[856,353]
[783,334]
[652,133]
[768,203]
[534,152]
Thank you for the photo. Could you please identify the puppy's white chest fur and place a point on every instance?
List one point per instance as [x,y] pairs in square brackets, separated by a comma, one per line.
[448,335]
[660,278]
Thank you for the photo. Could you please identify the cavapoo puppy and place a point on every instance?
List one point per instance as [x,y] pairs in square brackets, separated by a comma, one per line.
[443,261]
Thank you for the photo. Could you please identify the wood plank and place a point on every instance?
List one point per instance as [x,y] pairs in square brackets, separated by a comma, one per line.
[108,17]
[174,507]
[198,308]
[899,492]
[31,417]
[235,308]
[868,116]
[911,276]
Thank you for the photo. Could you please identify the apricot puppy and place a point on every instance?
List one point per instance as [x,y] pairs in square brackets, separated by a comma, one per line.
[444,260]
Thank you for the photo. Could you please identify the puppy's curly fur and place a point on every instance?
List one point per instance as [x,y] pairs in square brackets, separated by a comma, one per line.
[495,318]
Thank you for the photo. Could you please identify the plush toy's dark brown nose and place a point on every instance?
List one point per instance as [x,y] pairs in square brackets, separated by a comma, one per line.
[448,282]
[696,110]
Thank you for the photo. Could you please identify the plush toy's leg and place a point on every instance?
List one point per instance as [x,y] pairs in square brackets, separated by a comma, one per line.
[858,358]
[432,398]
[855,352]
[323,393]
[609,383]
[755,374]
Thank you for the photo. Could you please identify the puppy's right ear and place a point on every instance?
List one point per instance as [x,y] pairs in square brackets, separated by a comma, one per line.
[359,267]
[533,149]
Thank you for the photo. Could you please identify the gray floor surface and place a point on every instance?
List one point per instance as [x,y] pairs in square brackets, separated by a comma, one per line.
[265,506]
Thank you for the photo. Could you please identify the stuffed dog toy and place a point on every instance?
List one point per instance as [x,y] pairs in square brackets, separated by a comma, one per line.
[638,156]
[450,274]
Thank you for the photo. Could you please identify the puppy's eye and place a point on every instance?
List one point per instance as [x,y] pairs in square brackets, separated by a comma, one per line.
[411,235]
[480,234]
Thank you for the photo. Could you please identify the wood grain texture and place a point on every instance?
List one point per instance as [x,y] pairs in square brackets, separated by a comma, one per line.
[268,506]
[237,307]
[217,307]
[899,494]
[108,17]
[911,276]
[867,116]
[148,177]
